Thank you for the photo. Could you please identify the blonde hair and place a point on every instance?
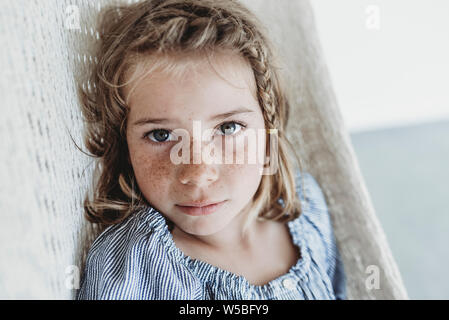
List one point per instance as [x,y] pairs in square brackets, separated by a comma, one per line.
[130,34]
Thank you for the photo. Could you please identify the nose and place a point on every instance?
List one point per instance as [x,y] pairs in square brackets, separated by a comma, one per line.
[198,172]
[199,175]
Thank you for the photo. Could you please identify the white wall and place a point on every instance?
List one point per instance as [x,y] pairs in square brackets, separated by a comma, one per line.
[388,60]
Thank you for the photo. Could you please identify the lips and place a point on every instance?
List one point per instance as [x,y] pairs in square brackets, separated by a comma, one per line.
[198,203]
[200,208]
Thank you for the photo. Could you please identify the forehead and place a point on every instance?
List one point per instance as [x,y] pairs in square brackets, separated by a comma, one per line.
[189,83]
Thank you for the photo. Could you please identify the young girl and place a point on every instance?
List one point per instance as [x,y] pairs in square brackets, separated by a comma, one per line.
[198,229]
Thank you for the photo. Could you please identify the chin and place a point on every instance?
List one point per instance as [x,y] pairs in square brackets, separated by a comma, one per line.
[204,228]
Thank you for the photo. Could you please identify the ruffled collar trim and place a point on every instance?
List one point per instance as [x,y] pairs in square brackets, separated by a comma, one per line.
[207,272]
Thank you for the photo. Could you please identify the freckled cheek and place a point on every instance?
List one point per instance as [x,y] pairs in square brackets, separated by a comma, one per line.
[248,161]
[242,181]
[153,172]
[250,151]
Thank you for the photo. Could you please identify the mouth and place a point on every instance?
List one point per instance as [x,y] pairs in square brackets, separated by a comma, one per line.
[203,209]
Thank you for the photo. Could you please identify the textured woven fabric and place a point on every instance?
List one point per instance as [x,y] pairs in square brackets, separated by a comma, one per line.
[48,48]
[138,259]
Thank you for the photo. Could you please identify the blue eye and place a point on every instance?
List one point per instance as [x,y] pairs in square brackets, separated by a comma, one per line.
[159,135]
[229,128]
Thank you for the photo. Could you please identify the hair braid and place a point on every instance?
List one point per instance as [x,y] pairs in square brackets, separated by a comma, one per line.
[258,58]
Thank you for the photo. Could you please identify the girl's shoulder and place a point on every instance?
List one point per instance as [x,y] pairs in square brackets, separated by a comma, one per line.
[125,260]
[137,227]
[315,213]
[317,229]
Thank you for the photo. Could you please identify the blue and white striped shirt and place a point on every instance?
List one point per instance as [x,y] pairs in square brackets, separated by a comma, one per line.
[138,259]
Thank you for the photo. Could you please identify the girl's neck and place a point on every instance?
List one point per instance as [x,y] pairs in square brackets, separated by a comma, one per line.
[230,239]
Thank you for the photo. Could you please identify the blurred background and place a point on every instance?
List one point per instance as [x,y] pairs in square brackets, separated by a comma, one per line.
[389,66]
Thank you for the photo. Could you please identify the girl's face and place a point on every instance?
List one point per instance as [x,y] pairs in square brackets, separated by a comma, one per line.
[173,103]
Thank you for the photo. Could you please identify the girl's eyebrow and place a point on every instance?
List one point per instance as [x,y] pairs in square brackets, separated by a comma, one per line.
[146,120]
